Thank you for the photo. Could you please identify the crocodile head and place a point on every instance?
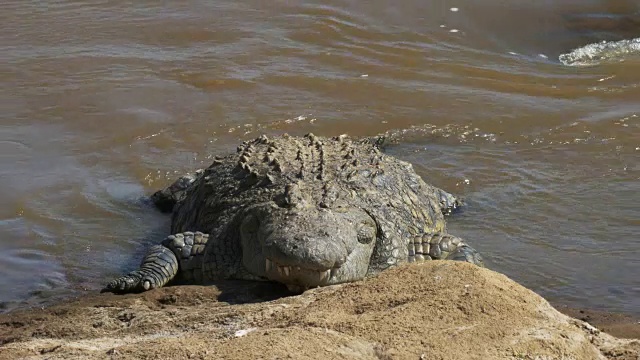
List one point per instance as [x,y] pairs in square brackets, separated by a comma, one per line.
[307,246]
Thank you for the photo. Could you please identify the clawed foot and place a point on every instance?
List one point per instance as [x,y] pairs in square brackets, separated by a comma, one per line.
[448,202]
[158,267]
[166,199]
[468,254]
[131,283]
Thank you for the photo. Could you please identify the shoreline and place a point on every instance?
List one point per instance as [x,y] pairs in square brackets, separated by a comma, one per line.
[618,324]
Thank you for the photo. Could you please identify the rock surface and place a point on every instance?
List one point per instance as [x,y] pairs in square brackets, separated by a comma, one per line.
[435,310]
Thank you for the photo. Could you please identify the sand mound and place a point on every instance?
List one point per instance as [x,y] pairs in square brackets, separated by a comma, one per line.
[438,310]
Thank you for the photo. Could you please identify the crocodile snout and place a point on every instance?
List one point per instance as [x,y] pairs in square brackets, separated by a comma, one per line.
[319,252]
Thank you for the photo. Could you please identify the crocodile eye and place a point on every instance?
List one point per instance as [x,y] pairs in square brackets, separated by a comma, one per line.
[366,233]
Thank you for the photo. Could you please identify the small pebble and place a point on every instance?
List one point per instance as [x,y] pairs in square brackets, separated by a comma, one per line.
[244,332]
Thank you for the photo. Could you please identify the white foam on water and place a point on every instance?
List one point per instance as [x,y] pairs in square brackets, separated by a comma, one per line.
[597,53]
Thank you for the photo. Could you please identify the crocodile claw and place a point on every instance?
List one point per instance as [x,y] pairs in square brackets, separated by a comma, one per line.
[448,202]
[126,284]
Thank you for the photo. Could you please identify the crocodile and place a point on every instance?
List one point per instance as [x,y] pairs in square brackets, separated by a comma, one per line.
[304,211]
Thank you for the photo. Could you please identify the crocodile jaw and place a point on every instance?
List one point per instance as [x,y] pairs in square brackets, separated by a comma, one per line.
[298,279]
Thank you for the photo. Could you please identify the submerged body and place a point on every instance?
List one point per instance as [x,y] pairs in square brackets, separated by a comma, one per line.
[304,211]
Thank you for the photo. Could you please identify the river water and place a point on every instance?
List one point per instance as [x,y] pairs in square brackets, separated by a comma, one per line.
[102,102]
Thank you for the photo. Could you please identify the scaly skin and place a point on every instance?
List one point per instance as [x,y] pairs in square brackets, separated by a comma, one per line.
[304,211]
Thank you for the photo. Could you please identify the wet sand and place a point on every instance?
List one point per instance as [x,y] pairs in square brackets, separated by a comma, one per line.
[617,324]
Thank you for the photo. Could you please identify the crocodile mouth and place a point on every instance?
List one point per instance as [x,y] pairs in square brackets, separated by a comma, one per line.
[296,278]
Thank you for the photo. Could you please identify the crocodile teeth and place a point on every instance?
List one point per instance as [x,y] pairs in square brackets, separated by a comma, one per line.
[325,275]
[286,271]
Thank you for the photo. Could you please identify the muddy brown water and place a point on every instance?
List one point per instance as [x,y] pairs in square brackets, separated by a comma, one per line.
[104,102]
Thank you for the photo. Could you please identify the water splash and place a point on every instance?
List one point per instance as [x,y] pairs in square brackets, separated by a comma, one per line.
[597,53]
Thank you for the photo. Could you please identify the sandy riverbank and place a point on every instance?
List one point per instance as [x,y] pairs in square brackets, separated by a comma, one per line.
[439,310]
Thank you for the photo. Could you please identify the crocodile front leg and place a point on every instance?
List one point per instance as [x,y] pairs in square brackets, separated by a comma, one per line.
[158,267]
[167,198]
[182,251]
[439,246]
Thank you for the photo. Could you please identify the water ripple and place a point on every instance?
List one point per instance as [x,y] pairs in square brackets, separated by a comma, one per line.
[605,51]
